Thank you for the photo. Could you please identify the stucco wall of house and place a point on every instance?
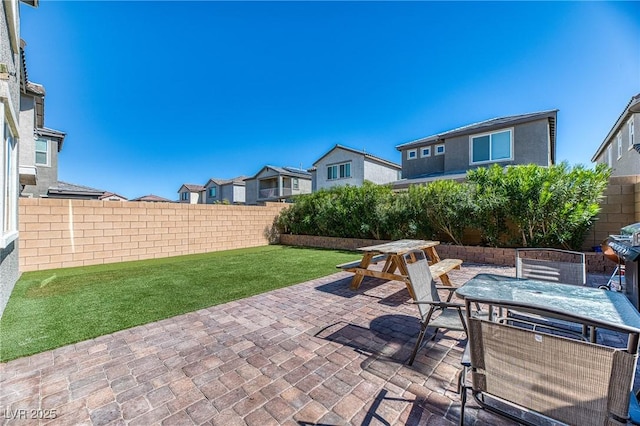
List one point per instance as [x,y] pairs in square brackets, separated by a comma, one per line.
[226,193]
[530,145]
[304,187]
[251,191]
[9,114]
[339,156]
[422,165]
[27,123]
[207,197]
[379,173]
[57,233]
[239,193]
[629,163]
[47,175]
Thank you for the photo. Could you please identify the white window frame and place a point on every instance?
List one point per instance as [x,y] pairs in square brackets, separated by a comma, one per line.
[336,174]
[426,149]
[295,183]
[412,154]
[619,144]
[490,160]
[8,184]
[632,132]
[437,150]
[609,155]
[47,153]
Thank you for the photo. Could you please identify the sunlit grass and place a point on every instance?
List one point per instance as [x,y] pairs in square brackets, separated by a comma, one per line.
[53,308]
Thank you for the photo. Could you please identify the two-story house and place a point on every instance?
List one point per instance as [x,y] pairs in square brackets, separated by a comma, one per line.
[39,146]
[276,184]
[342,165]
[620,149]
[225,190]
[517,139]
[191,194]
[12,84]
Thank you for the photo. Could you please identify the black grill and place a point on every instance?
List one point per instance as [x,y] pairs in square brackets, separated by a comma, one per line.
[623,246]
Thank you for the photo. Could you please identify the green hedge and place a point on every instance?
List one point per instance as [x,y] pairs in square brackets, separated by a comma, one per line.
[524,206]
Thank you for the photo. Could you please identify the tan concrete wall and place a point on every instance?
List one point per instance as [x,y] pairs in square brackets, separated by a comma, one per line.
[620,207]
[65,233]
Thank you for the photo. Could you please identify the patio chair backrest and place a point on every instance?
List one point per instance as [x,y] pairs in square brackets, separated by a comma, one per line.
[568,380]
[421,280]
[553,265]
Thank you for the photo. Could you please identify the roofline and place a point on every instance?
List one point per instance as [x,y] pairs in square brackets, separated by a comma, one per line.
[288,173]
[363,153]
[632,107]
[468,130]
[53,134]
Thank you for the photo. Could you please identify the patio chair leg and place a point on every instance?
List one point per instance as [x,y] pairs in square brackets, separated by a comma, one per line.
[418,344]
[435,332]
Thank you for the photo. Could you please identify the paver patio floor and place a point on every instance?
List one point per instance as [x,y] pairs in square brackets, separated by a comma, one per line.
[314,353]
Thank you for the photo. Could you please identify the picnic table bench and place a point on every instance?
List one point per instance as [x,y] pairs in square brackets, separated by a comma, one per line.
[393,268]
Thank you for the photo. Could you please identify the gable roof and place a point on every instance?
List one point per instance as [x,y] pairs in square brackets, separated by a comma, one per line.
[52,134]
[285,171]
[363,153]
[632,107]
[112,194]
[488,125]
[192,187]
[238,180]
[152,198]
[66,188]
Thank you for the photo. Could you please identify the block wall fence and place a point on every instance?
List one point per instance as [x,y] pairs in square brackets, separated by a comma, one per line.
[620,207]
[57,233]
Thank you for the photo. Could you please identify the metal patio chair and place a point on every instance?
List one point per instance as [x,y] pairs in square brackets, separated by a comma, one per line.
[530,376]
[434,312]
[553,265]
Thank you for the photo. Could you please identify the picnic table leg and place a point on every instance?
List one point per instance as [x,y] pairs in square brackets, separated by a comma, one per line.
[364,264]
[432,254]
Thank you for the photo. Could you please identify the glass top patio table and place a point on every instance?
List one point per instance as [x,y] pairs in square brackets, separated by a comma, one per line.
[602,308]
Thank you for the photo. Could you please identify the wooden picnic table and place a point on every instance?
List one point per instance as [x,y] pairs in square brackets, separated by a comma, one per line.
[394,268]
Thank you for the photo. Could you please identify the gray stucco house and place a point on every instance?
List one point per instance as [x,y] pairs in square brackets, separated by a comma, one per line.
[276,184]
[620,149]
[191,193]
[39,146]
[517,139]
[225,190]
[342,165]
[12,84]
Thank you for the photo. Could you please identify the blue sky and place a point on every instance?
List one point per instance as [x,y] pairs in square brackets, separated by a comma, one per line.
[156,94]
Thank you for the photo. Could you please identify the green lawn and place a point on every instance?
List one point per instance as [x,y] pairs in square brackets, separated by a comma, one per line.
[53,308]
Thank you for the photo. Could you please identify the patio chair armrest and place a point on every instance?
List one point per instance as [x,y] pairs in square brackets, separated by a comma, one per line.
[449,288]
[458,306]
[466,356]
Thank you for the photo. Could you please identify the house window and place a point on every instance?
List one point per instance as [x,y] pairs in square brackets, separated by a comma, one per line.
[339,171]
[609,159]
[412,154]
[42,152]
[9,188]
[619,145]
[212,192]
[184,196]
[631,133]
[439,149]
[489,147]
[425,151]
[295,183]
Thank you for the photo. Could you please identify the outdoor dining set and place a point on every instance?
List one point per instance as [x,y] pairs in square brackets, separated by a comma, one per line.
[533,352]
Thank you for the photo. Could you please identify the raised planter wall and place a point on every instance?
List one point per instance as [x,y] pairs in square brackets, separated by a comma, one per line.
[596,262]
